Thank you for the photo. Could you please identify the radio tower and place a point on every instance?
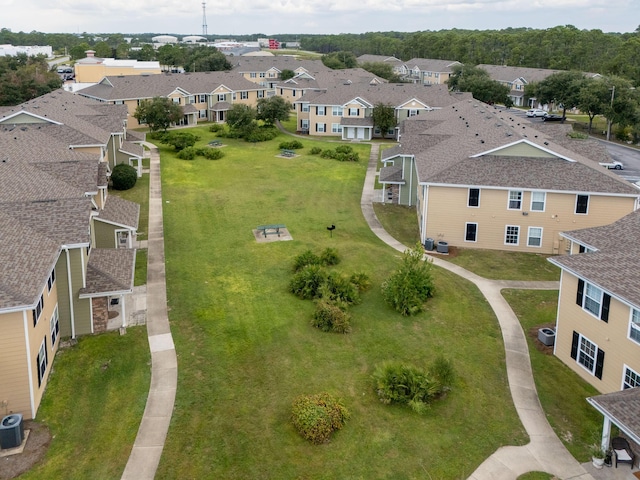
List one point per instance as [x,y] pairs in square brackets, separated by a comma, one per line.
[204,19]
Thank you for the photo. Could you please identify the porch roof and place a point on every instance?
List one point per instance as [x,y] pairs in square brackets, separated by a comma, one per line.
[357,122]
[622,409]
[391,174]
[109,272]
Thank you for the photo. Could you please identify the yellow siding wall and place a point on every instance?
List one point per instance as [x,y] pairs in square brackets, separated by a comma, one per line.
[94,73]
[14,375]
[610,337]
[448,213]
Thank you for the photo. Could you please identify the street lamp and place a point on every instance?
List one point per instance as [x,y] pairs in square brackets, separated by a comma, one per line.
[613,92]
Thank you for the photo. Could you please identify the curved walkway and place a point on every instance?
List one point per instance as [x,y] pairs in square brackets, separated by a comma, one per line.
[147,448]
[545,452]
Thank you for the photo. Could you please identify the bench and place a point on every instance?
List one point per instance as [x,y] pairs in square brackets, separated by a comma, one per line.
[288,153]
[215,143]
[270,229]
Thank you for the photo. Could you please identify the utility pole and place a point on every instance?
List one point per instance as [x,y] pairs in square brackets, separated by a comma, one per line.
[204,19]
[613,92]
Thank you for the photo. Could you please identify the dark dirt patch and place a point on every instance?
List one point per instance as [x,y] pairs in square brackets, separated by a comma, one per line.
[34,451]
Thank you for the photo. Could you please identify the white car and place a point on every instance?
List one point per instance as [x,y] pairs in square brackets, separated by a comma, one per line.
[536,112]
[613,164]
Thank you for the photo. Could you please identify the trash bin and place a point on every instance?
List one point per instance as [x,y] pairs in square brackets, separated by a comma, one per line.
[443,247]
[11,431]
[428,244]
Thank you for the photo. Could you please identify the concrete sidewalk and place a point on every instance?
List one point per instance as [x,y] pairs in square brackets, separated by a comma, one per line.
[545,452]
[147,448]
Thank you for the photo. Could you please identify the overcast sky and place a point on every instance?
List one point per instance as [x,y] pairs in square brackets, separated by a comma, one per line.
[270,17]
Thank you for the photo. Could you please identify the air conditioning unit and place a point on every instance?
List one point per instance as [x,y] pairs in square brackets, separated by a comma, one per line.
[11,431]
[547,336]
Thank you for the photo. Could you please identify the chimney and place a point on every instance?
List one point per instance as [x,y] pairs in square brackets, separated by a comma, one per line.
[90,53]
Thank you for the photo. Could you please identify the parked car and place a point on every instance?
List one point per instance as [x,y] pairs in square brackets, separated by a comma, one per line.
[553,117]
[613,164]
[536,112]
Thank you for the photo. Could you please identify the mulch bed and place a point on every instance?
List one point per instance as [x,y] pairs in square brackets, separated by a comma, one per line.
[34,451]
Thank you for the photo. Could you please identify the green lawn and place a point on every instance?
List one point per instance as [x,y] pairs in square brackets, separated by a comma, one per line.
[501,265]
[140,195]
[562,392]
[246,348]
[399,221]
[93,405]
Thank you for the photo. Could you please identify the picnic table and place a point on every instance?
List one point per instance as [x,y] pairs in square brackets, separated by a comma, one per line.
[270,229]
[215,143]
[288,153]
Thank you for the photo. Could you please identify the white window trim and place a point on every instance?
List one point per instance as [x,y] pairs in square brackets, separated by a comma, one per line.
[337,111]
[324,127]
[599,301]
[336,128]
[509,199]
[506,229]
[465,232]
[595,358]
[469,198]
[631,326]
[321,111]
[529,237]
[54,322]
[626,367]
[544,202]
[575,209]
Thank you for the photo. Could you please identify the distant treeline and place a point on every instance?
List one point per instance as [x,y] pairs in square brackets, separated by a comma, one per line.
[561,47]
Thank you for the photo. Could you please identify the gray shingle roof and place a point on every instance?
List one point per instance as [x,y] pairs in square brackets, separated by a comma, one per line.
[263,64]
[120,211]
[392,174]
[622,407]
[109,271]
[504,73]
[432,65]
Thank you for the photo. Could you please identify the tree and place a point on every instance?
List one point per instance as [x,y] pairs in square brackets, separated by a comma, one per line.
[103,50]
[78,51]
[560,88]
[592,98]
[382,70]
[411,285]
[286,74]
[477,81]
[340,60]
[158,113]
[23,78]
[272,109]
[241,118]
[122,50]
[384,117]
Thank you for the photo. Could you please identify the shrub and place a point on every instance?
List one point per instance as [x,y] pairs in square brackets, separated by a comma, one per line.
[212,153]
[315,150]
[159,136]
[347,157]
[180,140]
[331,317]
[317,416]
[329,256]
[411,285]
[216,127]
[441,370]
[123,177]
[306,283]
[339,288]
[188,153]
[397,382]
[328,153]
[361,281]
[346,149]
[292,145]
[305,258]
[261,134]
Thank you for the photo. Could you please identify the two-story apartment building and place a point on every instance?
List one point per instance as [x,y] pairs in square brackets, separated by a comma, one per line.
[346,109]
[428,71]
[267,71]
[65,246]
[204,96]
[479,178]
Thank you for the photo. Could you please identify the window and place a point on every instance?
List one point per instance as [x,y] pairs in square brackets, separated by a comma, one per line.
[202,98]
[38,310]
[253,75]
[320,127]
[260,93]
[222,97]
[631,379]
[534,239]
[336,128]
[587,354]
[582,203]
[515,200]
[202,114]
[244,95]
[512,235]
[473,197]
[304,107]
[55,326]
[337,111]
[634,329]
[413,112]
[319,110]
[537,201]
[593,300]
[354,112]
[51,280]
[471,232]
[304,125]
[262,75]
[176,100]
[42,361]
[119,102]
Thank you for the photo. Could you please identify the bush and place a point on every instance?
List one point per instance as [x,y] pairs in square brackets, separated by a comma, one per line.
[331,317]
[306,283]
[212,153]
[361,281]
[441,370]
[123,177]
[339,288]
[346,149]
[188,153]
[292,145]
[261,134]
[329,256]
[159,136]
[317,416]
[411,285]
[305,258]
[180,140]
[315,150]
[347,157]
[397,382]
[328,153]
[217,127]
